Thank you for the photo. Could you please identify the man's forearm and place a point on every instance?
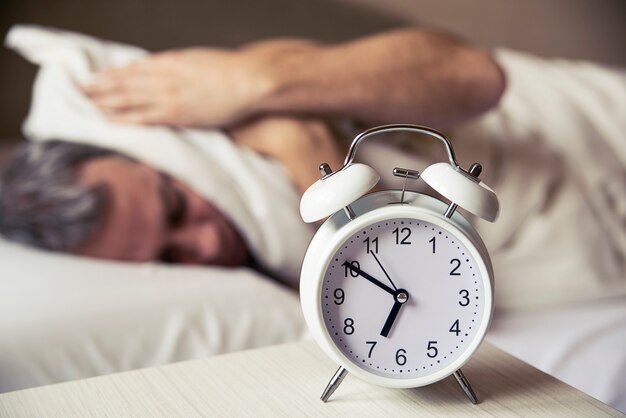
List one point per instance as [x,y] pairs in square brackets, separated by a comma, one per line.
[411,75]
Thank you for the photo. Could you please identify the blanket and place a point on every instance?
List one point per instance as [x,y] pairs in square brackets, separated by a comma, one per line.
[253,191]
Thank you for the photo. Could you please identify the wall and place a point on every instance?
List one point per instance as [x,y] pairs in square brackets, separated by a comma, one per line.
[579,29]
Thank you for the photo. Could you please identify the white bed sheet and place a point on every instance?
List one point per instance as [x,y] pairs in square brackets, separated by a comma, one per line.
[583,344]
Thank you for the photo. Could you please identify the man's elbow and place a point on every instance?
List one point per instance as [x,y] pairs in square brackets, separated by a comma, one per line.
[489,81]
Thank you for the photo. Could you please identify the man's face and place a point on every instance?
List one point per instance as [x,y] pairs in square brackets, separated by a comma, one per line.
[151,216]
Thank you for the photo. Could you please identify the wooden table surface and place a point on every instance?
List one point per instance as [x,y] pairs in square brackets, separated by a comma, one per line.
[287,380]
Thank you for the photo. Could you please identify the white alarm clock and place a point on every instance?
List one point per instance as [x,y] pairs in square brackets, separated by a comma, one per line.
[397,287]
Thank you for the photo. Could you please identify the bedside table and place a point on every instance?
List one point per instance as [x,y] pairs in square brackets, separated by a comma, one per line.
[287,380]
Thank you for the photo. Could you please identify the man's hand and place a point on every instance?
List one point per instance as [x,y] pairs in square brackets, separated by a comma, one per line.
[190,87]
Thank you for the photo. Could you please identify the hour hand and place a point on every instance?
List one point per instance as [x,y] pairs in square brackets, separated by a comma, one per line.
[401,297]
[370,278]
[391,319]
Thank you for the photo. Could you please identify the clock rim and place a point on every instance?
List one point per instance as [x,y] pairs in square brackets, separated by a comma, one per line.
[322,249]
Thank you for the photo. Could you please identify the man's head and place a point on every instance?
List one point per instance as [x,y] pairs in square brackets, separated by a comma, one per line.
[90,201]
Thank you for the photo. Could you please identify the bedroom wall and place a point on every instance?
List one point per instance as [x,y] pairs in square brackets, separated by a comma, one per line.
[579,29]
[572,28]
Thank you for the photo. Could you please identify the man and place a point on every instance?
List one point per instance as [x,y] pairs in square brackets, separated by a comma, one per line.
[90,201]
[97,203]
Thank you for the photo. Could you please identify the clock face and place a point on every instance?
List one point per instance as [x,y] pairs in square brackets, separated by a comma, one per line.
[403,298]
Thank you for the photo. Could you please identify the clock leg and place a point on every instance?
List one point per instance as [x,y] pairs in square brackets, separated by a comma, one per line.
[465,385]
[334,383]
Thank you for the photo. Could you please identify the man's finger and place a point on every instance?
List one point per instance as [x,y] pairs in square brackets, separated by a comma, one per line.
[102,85]
[112,77]
[123,93]
[147,115]
[120,101]
[137,67]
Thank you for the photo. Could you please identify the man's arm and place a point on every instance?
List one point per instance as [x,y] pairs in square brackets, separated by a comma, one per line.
[409,75]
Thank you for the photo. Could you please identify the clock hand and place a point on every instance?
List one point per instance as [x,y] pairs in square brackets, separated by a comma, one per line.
[384,271]
[370,278]
[401,297]
[390,319]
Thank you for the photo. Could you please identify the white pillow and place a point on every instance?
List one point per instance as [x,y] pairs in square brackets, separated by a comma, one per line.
[64,317]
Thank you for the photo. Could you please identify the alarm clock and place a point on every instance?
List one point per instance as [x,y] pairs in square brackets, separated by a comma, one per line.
[397,286]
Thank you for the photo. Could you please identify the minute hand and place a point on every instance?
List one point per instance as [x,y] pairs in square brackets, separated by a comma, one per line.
[370,278]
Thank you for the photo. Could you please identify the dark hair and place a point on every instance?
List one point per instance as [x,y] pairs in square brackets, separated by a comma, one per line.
[41,202]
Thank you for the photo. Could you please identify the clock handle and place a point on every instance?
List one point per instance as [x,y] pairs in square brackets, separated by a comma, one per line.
[400,128]
[462,187]
[334,383]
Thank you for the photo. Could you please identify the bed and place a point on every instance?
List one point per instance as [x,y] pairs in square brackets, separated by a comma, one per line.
[63,317]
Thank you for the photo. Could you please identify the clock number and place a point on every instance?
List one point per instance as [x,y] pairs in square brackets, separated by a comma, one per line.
[400,357]
[339,296]
[348,326]
[349,271]
[455,328]
[432,240]
[374,244]
[373,343]
[465,295]
[454,271]
[407,234]
[432,349]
